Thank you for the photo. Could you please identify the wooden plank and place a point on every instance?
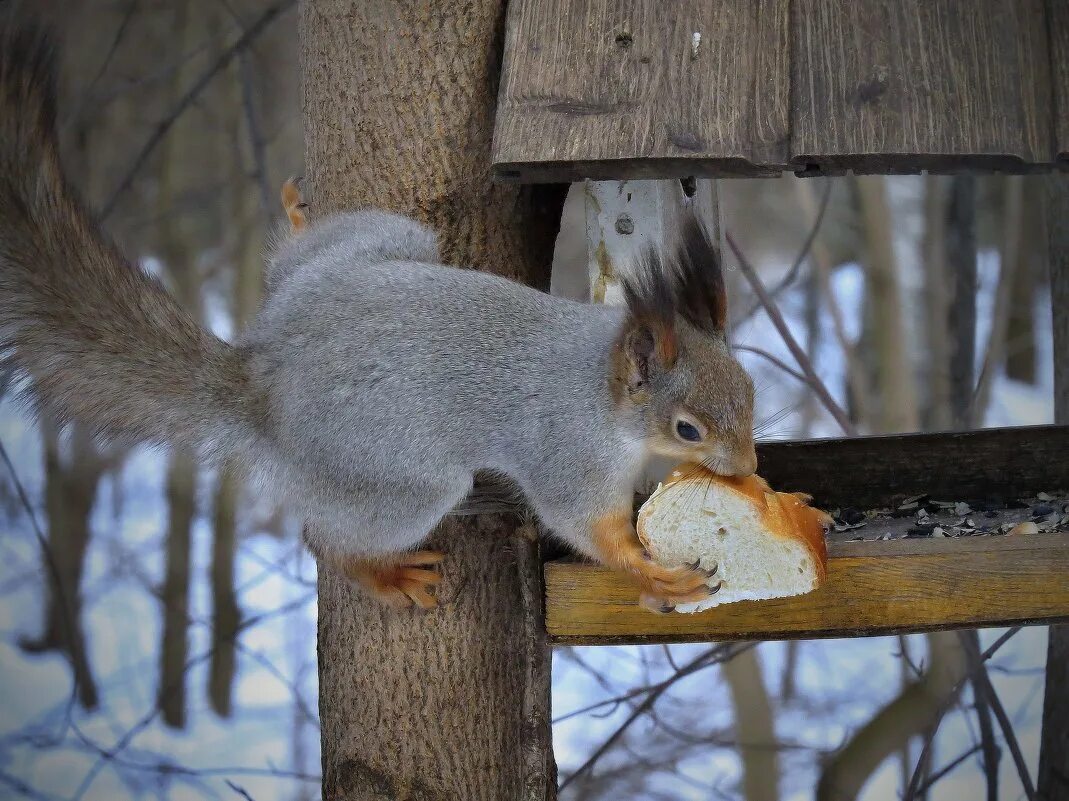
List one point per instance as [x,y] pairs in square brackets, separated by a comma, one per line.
[869,471]
[873,588]
[903,85]
[602,89]
[1058,31]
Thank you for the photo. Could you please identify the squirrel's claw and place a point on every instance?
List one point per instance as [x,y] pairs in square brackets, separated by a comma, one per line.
[402,580]
[696,565]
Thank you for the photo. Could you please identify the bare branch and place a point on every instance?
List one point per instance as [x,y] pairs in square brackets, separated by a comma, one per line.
[242,42]
[705,659]
[764,354]
[982,683]
[970,641]
[87,92]
[943,771]
[913,791]
[803,253]
[799,354]
[256,139]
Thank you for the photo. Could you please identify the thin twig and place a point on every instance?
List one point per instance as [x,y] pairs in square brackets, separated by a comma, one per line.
[706,659]
[943,771]
[799,354]
[237,788]
[774,360]
[187,99]
[982,683]
[913,790]
[970,643]
[87,92]
[803,253]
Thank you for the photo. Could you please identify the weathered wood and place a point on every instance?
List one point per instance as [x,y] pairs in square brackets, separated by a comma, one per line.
[398,102]
[596,89]
[624,218]
[899,586]
[902,85]
[601,89]
[1058,30]
[1053,779]
[869,471]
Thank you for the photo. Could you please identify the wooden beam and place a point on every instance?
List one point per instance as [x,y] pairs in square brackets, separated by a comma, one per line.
[873,588]
[869,471]
[606,90]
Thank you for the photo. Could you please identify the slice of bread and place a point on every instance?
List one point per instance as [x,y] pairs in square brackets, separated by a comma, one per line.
[765,544]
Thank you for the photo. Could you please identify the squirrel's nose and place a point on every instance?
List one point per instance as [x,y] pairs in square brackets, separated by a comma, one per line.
[745,464]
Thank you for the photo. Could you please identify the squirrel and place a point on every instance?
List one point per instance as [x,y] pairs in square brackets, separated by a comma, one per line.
[374,382]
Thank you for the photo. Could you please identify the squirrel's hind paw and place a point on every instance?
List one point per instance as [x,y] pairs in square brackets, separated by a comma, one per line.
[402,580]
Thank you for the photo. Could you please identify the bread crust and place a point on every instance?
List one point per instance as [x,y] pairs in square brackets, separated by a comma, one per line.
[784,514]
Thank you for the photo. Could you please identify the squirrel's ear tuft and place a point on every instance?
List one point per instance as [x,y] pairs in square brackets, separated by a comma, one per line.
[637,346]
[651,308]
[699,279]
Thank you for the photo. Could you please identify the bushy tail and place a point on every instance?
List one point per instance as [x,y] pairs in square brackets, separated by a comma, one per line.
[101,341]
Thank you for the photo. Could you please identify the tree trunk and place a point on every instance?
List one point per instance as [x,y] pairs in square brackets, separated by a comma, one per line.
[912,712]
[1053,784]
[755,729]
[70,492]
[174,647]
[896,396]
[1009,264]
[244,248]
[936,305]
[1021,331]
[398,97]
[226,614]
[180,246]
[961,262]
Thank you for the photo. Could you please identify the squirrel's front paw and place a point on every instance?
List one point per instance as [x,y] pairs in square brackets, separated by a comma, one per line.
[399,580]
[618,545]
[663,588]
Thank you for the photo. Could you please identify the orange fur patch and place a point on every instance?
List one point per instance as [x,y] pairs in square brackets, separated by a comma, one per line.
[294,206]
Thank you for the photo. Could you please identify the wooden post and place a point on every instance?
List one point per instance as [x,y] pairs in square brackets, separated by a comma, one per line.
[398,99]
[1053,783]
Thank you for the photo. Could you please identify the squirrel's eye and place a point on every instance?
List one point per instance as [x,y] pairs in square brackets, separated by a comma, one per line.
[687,431]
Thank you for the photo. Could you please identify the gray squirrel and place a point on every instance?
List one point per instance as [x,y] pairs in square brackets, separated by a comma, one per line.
[374,382]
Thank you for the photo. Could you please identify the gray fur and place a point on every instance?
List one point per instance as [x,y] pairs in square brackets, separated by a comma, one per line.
[394,380]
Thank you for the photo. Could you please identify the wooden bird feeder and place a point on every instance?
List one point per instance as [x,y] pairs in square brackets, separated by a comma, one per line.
[632,96]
